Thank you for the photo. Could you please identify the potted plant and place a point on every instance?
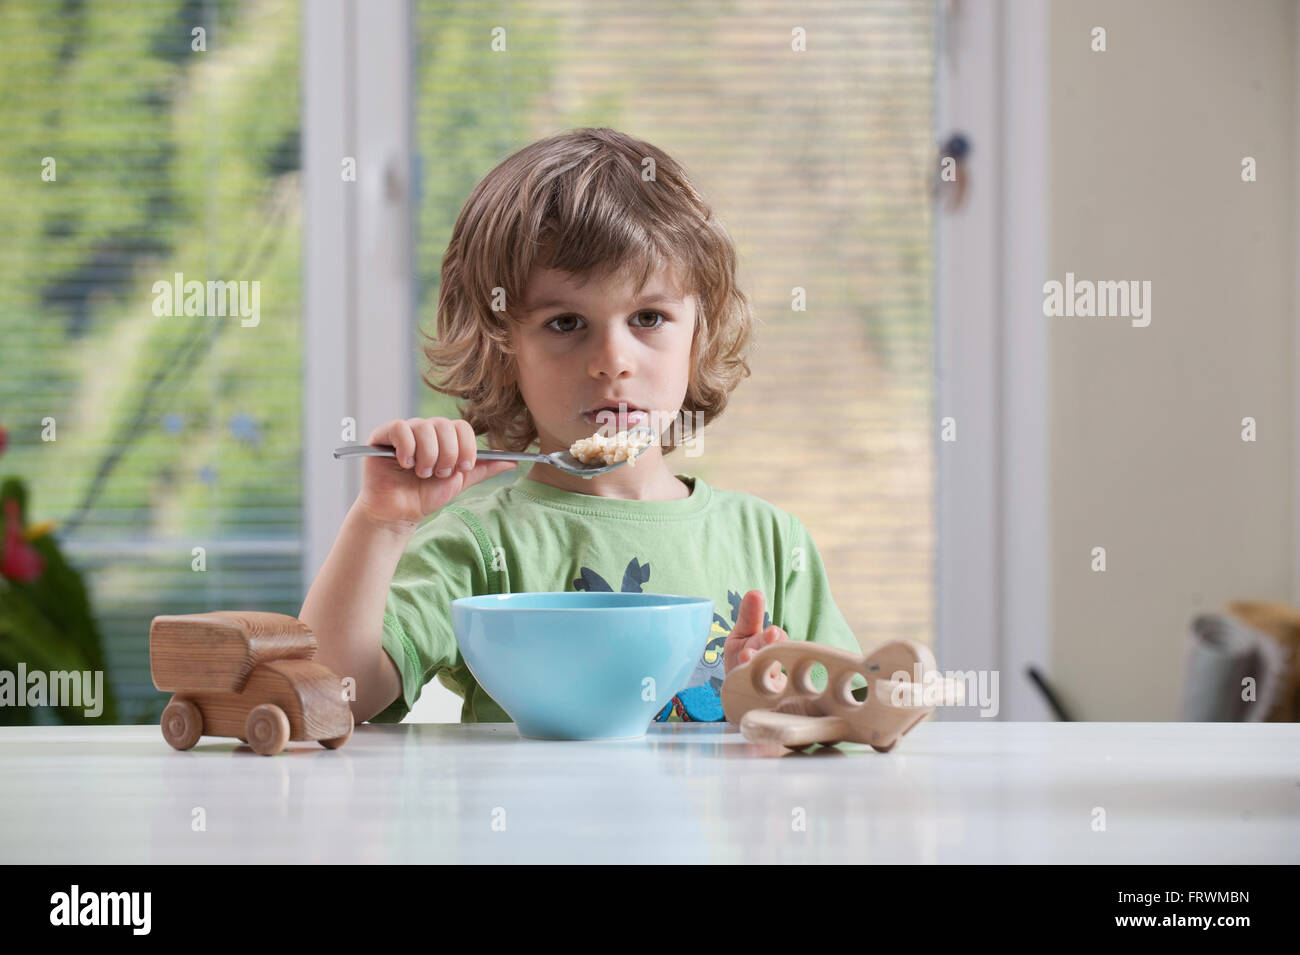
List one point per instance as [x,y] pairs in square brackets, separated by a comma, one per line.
[46,624]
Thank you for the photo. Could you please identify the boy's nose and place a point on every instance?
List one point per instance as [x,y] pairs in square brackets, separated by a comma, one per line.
[611,358]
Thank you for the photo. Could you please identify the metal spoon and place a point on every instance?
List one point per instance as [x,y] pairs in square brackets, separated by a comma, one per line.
[562,460]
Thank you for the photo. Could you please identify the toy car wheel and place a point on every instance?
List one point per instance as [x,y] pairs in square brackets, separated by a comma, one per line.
[267,729]
[338,741]
[182,724]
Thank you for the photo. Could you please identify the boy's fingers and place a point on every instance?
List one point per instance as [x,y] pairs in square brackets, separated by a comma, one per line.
[752,646]
[760,640]
[745,638]
[750,617]
[468,453]
[448,447]
[403,440]
[426,445]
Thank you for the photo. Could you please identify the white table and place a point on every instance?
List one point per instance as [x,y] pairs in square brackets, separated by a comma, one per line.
[979,791]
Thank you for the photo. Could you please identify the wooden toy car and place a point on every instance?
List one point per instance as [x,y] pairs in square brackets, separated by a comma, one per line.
[248,675]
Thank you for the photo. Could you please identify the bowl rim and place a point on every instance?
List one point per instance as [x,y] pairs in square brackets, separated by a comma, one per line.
[682,600]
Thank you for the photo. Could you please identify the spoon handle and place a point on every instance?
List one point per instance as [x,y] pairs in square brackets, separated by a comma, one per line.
[388,451]
[514,456]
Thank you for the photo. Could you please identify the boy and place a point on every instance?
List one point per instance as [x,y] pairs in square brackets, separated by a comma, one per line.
[586,286]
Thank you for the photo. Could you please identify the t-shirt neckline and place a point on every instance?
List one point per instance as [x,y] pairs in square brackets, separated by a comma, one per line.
[551,496]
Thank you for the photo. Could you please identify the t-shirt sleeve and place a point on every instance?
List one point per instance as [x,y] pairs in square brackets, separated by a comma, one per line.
[442,562]
[809,610]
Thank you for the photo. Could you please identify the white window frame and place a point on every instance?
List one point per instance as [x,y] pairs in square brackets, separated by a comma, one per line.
[358,259]
[993,577]
[992,573]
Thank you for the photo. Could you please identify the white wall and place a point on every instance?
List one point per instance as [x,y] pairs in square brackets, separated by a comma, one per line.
[1145,149]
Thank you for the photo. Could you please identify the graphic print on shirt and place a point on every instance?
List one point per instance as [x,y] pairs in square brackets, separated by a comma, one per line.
[700,701]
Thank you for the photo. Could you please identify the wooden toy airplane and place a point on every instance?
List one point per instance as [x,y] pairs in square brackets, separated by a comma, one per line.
[798,716]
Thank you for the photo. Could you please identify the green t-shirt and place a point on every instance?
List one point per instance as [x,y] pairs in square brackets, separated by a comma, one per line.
[529,537]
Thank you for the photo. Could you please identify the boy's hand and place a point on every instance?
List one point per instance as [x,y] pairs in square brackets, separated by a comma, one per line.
[747,637]
[408,488]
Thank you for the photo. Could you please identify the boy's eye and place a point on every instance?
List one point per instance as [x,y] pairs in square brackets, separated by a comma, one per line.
[637,318]
[561,318]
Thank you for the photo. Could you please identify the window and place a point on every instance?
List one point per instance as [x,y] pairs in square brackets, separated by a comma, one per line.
[819,164]
[146,141]
[161,138]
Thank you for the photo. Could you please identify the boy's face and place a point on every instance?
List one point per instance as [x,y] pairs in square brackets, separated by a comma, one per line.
[580,348]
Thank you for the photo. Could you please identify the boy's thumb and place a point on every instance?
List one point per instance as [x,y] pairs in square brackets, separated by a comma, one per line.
[482,470]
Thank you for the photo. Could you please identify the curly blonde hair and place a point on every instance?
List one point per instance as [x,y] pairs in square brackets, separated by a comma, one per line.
[578,202]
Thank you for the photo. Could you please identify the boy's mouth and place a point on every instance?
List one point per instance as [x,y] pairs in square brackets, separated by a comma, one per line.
[627,416]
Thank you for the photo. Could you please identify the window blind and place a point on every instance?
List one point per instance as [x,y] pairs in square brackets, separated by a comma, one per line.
[818,162]
[146,145]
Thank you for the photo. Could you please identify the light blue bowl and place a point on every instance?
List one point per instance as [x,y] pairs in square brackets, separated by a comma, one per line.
[580,664]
